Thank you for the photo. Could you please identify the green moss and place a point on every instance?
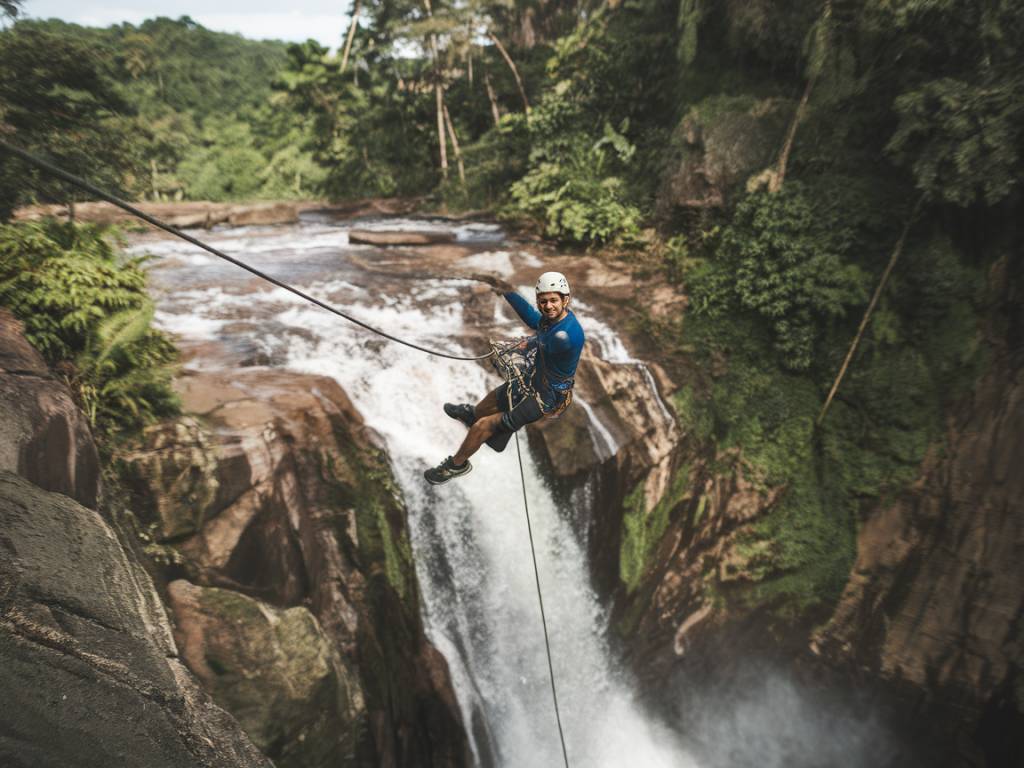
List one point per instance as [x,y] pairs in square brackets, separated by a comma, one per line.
[628,624]
[232,606]
[714,107]
[395,566]
[642,529]
[920,353]
[702,506]
[696,420]
[365,485]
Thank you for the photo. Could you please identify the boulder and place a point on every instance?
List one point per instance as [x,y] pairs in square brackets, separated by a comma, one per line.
[275,669]
[88,666]
[275,493]
[214,214]
[195,485]
[399,237]
[719,144]
[44,437]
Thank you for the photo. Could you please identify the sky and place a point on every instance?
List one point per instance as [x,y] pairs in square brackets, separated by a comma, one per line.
[323,20]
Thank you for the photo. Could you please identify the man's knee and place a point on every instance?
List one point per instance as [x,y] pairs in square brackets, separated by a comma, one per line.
[489,404]
[488,425]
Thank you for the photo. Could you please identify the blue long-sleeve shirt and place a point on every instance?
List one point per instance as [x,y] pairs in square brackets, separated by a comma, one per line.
[559,348]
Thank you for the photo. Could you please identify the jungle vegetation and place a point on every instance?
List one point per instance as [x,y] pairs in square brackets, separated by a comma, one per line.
[786,166]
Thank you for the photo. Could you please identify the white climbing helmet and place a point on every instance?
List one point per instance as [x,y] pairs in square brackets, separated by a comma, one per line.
[552,281]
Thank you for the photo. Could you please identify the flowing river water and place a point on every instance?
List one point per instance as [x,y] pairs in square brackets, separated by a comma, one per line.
[469,536]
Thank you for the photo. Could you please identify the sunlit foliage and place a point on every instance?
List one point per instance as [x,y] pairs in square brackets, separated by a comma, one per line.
[85,309]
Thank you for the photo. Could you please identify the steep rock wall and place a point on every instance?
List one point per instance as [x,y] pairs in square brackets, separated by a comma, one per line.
[275,511]
[89,669]
[88,666]
[44,436]
[935,600]
[928,626]
[929,621]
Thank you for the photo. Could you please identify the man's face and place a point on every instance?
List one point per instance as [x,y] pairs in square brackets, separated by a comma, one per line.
[552,305]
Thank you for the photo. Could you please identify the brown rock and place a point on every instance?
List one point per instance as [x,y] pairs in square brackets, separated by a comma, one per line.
[44,437]
[397,237]
[182,214]
[311,522]
[263,213]
[935,596]
[88,668]
[719,143]
[275,669]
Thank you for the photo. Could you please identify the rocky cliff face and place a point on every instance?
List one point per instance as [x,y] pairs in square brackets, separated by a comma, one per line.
[43,435]
[89,670]
[935,600]
[928,625]
[644,437]
[718,146]
[929,620]
[291,578]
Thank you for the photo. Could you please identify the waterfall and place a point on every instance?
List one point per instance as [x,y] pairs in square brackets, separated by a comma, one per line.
[469,536]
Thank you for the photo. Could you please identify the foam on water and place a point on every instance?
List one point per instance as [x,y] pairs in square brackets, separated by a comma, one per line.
[189,325]
[604,443]
[473,558]
[488,261]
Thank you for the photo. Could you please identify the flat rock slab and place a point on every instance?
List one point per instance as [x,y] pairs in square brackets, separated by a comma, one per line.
[399,237]
[184,215]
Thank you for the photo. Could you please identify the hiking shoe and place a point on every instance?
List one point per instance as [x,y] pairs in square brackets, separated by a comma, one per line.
[445,471]
[464,413]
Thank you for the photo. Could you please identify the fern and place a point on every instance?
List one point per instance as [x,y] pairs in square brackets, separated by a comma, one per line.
[118,331]
[85,308]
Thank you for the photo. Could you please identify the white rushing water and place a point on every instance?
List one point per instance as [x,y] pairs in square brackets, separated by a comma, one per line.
[469,536]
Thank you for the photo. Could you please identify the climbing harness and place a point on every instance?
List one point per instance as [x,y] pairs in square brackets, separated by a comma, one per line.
[503,351]
[515,362]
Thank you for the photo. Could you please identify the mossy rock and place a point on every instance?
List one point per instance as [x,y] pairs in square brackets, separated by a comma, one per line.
[720,142]
[275,670]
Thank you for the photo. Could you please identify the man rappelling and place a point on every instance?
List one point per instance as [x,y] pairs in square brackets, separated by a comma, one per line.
[544,389]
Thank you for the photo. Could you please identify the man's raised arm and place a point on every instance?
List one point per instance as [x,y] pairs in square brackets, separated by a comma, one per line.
[526,311]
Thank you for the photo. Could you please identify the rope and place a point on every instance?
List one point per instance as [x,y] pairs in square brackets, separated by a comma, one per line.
[503,361]
[512,373]
[540,601]
[83,184]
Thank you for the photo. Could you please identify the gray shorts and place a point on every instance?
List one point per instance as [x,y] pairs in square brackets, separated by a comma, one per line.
[525,410]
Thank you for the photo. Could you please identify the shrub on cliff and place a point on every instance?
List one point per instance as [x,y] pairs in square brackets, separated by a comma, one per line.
[84,306]
[573,183]
[784,260]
